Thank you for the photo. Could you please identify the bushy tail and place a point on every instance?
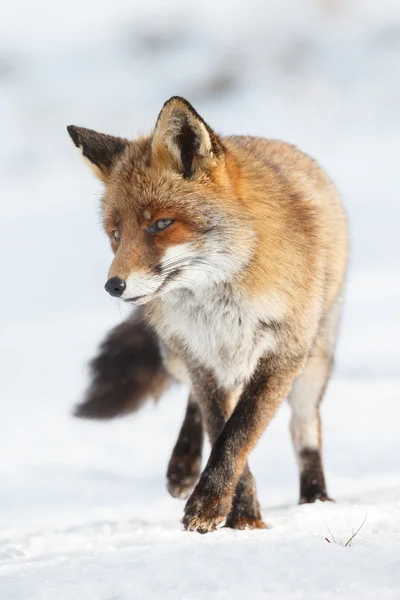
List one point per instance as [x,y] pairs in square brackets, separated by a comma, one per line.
[127,371]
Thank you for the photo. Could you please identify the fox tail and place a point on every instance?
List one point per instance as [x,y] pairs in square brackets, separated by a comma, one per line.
[127,371]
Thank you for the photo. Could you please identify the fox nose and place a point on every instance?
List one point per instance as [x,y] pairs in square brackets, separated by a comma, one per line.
[115,286]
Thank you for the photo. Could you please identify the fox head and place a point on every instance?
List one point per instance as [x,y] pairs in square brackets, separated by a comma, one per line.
[171,206]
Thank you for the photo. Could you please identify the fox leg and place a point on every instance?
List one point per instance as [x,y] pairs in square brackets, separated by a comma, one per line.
[305,399]
[305,427]
[185,462]
[226,474]
[245,512]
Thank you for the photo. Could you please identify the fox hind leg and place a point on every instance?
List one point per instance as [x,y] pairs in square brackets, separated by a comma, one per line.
[305,399]
[185,462]
[305,427]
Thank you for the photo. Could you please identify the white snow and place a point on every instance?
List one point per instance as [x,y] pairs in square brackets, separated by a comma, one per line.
[84,514]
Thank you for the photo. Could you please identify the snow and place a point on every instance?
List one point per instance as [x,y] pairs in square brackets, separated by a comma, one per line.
[84,514]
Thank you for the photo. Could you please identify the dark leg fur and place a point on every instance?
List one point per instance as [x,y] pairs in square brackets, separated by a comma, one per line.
[127,371]
[245,512]
[185,463]
[312,480]
[216,493]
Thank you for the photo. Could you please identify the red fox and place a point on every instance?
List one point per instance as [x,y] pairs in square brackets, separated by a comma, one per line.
[235,251]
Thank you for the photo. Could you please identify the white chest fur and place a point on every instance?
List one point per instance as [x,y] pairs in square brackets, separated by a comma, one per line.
[221,330]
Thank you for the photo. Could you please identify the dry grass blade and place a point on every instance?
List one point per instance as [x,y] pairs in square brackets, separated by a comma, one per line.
[348,543]
[332,536]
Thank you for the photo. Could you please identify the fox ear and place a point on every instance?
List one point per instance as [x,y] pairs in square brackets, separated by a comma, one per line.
[182,135]
[99,149]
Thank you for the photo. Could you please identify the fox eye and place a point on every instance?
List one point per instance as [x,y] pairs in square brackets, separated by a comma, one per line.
[160,225]
[116,235]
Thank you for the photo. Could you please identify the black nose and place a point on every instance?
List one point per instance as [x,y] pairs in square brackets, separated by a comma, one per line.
[115,286]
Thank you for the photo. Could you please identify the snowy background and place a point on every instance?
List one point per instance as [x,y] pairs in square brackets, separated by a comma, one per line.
[84,514]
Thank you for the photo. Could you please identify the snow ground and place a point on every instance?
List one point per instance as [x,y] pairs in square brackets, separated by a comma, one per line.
[84,514]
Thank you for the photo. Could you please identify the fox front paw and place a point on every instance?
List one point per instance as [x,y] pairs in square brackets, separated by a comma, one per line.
[183,474]
[204,512]
[311,498]
[181,486]
[245,523]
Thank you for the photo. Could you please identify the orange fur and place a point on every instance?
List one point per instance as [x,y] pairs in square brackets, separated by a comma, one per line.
[243,286]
